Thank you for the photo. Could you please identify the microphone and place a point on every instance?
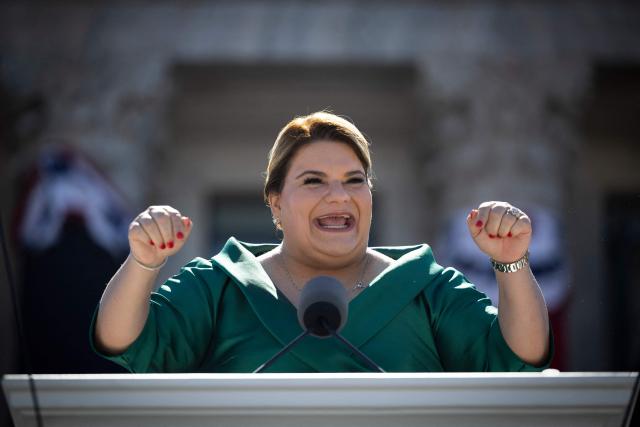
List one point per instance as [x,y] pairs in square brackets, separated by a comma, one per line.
[323,306]
[322,312]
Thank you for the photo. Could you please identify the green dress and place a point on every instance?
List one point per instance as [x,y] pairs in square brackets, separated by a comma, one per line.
[225,315]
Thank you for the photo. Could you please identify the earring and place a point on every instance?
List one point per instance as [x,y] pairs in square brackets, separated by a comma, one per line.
[277,223]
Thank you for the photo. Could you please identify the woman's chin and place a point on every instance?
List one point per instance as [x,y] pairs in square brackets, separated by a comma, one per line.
[337,248]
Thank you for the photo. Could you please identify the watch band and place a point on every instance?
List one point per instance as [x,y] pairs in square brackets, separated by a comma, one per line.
[511,267]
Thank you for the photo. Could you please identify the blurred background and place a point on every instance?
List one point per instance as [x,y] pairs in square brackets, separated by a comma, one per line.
[108,107]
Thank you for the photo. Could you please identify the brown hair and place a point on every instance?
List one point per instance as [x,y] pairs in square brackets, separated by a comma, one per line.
[303,130]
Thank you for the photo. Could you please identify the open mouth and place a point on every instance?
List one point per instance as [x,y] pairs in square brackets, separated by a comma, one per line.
[335,222]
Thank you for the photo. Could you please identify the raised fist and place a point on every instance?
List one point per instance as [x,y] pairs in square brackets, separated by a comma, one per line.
[500,230]
[156,233]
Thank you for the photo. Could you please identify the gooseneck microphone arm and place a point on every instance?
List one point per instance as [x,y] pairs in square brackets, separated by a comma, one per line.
[370,363]
[276,356]
[322,312]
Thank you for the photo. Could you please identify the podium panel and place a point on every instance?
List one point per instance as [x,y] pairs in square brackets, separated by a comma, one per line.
[322,400]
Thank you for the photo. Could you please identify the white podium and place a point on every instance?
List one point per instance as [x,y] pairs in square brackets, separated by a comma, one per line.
[322,400]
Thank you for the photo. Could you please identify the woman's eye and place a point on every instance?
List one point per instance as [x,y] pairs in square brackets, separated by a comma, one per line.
[312,181]
[355,181]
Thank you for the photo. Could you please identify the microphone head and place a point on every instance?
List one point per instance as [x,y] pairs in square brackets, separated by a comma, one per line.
[323,301]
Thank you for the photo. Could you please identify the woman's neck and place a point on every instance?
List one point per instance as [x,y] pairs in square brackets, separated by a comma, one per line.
[301,270]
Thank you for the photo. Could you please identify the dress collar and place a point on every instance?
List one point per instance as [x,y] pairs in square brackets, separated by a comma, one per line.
[369,312]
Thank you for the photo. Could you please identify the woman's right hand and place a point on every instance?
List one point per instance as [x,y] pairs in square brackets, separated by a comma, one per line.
[156,233]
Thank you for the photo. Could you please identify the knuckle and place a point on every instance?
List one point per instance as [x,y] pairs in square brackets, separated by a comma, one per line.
[159,217]
[145,220]
[499,210]
[157,211]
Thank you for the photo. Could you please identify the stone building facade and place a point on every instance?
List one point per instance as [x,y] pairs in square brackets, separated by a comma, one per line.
[178,102]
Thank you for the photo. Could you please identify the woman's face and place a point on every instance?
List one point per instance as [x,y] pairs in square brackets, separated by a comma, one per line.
[325,205]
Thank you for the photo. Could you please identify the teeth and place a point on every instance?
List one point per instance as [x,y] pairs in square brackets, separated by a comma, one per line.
[335,222]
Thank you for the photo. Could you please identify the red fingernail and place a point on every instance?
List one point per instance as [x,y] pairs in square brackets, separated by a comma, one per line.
[163,246]
[170,244]
[479,223]
[151,243]
[179,235]
[509,235]
[491,236]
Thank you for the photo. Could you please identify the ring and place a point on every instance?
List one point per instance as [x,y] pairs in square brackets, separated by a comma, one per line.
[515,212]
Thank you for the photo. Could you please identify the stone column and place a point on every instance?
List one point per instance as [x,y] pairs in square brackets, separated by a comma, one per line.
[501,129]
[506,129]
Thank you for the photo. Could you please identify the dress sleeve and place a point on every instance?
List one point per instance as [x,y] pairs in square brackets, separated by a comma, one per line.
[466,327]
[180,327]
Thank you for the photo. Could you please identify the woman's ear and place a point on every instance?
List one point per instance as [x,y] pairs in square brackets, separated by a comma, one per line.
[274,205]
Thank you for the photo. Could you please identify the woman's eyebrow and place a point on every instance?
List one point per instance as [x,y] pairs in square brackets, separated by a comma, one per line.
[320,173]
[311,172]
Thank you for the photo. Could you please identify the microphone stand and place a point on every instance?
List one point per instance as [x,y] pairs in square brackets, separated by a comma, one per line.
[286,348]
[370,363]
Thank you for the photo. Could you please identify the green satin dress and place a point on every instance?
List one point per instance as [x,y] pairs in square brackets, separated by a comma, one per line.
[225,315]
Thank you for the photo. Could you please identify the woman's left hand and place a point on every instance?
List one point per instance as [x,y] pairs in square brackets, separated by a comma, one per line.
[500,230]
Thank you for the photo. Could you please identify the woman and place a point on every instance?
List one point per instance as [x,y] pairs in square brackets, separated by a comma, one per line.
[234,311]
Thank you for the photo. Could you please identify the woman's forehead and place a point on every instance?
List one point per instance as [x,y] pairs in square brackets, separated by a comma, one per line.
[326,155]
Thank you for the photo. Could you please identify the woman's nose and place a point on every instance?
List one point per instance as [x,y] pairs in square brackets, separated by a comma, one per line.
[337,192]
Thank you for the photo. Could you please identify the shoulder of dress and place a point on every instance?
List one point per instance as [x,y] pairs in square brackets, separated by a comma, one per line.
[396,252]
[206,270]
[199,262]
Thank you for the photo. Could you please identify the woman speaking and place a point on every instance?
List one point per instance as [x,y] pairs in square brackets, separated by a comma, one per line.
[234,311]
